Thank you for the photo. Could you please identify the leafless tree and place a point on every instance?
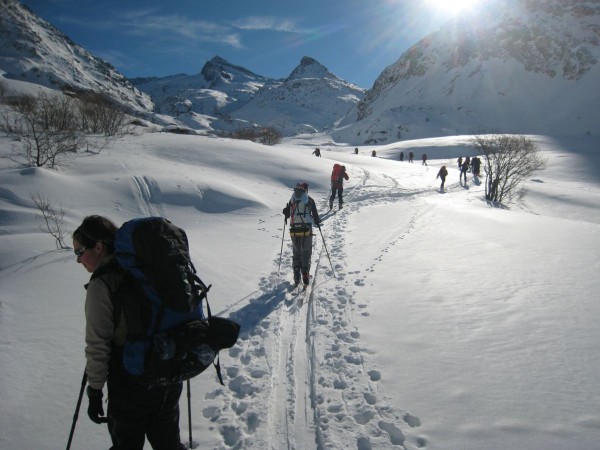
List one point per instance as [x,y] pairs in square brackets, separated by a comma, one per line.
[266,136]
[507,161]
[99,115]
[46,125]
[53,215]
[269,136]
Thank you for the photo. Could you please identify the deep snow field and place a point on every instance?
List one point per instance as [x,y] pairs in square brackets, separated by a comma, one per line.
[433,320]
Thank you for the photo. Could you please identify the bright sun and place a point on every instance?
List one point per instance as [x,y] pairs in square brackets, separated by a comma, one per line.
[453,6]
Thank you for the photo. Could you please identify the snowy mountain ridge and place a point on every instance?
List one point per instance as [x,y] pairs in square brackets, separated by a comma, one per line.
[200,99]
[528,66]
[522,66]
[229,97]
[33,50]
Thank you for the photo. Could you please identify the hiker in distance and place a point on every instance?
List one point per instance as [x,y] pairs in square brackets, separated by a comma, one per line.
[424,159]
[411,155]
[401,156]
[317,152]
[134,411]
[464,169]
[338,175]
[302,212]
[443,173]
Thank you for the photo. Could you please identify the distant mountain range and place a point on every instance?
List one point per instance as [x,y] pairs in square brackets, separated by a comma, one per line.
[224,96]
[526,66]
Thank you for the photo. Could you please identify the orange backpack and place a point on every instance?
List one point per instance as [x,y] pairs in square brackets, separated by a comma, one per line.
[336,174]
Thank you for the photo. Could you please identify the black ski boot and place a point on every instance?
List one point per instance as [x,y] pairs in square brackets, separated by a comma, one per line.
[305,277]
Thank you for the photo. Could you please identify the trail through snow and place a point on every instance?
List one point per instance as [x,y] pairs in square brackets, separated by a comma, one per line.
[316,386]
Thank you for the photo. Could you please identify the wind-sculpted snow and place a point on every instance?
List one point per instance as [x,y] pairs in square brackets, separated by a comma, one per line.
[298,373]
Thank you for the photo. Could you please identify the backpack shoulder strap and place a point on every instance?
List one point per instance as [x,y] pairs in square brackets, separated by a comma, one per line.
[115,296]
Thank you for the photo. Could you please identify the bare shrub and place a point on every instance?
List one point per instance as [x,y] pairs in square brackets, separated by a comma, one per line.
[508,160]
[99,115]
[266,136]
[269,136]
[53,214]
[46,125]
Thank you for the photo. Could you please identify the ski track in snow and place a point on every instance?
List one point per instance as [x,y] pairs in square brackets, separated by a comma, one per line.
[297,378]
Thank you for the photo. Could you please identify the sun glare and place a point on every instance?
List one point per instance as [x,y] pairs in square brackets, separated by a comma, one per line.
[453,6]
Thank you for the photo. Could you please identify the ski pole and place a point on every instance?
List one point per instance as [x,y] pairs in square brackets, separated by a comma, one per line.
[327,251]
[189,396]
[281,251]
[76,415]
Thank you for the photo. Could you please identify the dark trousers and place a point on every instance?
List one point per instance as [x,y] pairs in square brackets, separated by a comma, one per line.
[301,253]
[136,412]
[340,192]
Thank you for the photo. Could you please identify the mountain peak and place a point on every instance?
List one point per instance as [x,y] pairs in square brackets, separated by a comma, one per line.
[310,68]
[219,69]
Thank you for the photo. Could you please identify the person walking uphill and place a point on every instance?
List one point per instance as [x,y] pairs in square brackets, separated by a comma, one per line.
[302,212]
[443,173]
[338,175]
[464,169]
[134,411]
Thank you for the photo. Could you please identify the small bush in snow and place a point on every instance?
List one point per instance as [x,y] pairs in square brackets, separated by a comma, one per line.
[53,215]
[507,161]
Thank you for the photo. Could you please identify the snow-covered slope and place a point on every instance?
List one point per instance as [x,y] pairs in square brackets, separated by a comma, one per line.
[519,66]
[433,321]
[33,50]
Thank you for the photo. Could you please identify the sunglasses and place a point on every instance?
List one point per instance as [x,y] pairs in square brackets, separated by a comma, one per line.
[80,252]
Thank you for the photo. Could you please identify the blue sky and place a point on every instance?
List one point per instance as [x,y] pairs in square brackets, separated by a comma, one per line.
[354,39]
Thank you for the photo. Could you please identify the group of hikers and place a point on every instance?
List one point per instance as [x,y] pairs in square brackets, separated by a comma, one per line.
[411,158]
[472,165]
[137,412]
[466,165]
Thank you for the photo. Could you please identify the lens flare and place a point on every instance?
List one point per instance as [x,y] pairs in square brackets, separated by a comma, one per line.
[453,6]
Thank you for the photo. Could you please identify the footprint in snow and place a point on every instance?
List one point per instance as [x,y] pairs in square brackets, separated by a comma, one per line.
[374,375]
[412,421]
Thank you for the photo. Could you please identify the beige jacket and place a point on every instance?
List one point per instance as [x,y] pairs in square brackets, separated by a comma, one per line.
[100,330]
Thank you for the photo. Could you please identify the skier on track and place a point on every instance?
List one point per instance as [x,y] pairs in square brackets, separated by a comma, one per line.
[302,212]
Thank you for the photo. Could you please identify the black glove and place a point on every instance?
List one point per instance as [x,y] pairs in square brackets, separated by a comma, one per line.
[95,409]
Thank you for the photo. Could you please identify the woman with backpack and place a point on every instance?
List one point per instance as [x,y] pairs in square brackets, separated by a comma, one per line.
[301,210]
[338,175]
[134,411]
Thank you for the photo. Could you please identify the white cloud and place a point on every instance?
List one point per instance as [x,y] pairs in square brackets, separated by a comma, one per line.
[268,23]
